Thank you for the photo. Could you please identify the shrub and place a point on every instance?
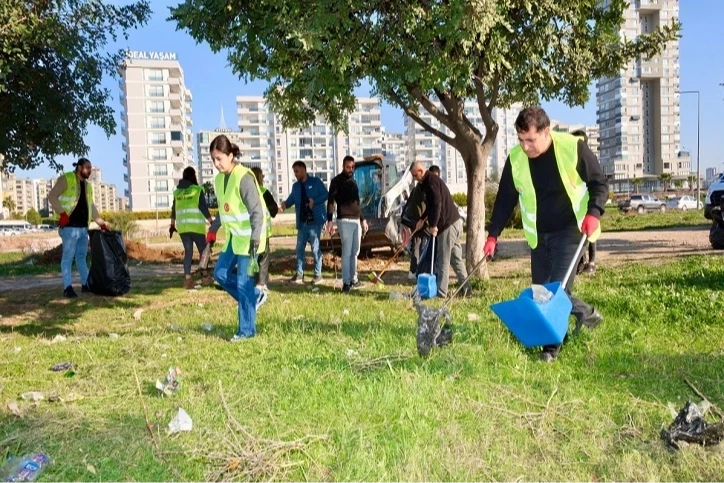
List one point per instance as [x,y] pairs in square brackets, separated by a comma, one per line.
[122,221]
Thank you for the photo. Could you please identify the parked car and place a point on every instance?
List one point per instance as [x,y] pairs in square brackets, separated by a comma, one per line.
[682,203]
[714,196]
[643,203]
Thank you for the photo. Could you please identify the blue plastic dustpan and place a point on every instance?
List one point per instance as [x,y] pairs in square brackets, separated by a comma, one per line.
[538,324]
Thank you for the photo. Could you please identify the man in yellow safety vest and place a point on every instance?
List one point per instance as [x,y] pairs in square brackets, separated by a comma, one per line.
[561,189]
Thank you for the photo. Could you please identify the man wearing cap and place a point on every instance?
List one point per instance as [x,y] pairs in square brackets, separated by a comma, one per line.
[72,198]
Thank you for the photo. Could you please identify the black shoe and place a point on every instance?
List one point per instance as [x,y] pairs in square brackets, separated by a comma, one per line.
[69,292]
[445,337]
[592,321]
[550,353]
[317,279]
[84,289]
[297,278]
[589,268]
[346,288]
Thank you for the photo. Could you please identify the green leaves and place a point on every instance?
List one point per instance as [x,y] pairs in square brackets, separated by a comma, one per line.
[52,61]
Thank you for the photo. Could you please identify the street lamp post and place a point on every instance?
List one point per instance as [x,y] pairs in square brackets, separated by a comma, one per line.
[698,151]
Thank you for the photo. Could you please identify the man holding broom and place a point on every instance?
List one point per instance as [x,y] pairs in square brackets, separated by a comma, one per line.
[561,189]
[344,193]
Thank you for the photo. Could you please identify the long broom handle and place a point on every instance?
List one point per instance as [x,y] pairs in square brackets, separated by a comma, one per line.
[574,262]
[397,253]
[462,284]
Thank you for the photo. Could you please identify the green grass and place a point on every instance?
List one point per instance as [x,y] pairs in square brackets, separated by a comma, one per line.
[481,409]
[614,221]
[17,263]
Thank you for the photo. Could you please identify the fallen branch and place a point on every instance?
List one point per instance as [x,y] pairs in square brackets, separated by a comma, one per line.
[145,412]
[384,360]
[714,409]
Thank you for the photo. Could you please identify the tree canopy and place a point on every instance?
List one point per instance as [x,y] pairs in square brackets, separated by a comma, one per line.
[428,54]
[52,61]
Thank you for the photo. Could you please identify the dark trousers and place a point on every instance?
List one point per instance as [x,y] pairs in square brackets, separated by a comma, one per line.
[189,240]
[262,277]
[549,262]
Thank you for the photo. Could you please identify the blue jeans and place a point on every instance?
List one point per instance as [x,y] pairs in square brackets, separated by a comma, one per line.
[75,246]
[240,286]
[350,232]
[309,234]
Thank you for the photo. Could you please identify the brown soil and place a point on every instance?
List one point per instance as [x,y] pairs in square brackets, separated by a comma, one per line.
[136,251]
[329,261]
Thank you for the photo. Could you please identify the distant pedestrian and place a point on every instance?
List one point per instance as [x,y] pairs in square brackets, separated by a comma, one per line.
[241,214]
[262,278]
[72,198]
[189,215]
[351,224]
[308,197]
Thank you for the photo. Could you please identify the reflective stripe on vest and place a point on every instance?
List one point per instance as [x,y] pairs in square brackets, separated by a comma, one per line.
[565,148]
[69,198]
[189,218]
[267,215]
[234,216]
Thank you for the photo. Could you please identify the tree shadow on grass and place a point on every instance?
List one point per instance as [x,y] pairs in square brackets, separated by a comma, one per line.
[46,313]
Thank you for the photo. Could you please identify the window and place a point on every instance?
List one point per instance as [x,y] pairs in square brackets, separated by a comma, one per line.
[175,135]
[154,75]
[155,91]
[279,178]
[158,123]
[158,138]
[158,170]
[156,106]
[162,202]
[158,154]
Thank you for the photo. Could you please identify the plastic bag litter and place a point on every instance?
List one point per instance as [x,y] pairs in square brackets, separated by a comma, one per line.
[109,264]
[690,426]
[171,384]
[430,321]
[541,294]
[181,422]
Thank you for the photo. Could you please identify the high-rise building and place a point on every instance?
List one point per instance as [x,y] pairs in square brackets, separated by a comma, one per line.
[431,150]
[591,132]
[710,174]
[638,111]
[104,194]
[205,171]
[42,188]
[394,147]
[265,142]
[157,127]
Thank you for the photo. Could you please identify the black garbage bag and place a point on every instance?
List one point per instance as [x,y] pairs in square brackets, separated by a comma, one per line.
[691,427]
[108,273]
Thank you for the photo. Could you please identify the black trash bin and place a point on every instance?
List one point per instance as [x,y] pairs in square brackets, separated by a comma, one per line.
[108,273]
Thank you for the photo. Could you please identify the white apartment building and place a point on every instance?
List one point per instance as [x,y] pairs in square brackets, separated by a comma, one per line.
[265,142]
[394,147]
[591,133]
[638,112]
[431,150]
[205,171]
[157,126]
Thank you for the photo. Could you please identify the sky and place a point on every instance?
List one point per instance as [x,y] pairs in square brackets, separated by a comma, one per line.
[213,85]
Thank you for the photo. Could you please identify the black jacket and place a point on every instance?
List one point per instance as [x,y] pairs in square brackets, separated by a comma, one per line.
[441,211]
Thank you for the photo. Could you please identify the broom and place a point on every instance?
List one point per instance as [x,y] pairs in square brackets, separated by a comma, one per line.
[374,278]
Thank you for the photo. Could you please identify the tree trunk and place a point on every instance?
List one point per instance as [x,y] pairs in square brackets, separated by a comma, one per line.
[475,240]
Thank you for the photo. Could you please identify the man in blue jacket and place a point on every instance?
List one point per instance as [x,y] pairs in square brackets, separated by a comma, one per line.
[308,196]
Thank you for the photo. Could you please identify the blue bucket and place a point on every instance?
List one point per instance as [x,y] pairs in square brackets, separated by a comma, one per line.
[537,324]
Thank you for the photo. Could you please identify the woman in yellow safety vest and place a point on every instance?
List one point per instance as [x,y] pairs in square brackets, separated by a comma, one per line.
[241,214]
[189,215]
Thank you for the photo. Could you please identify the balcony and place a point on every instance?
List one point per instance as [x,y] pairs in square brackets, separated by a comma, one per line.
[174,81]
[125,162]
[648,6]
[176,116]
[178,161]
[188,120]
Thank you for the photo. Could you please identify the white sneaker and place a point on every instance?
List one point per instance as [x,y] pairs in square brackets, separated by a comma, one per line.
[261,299]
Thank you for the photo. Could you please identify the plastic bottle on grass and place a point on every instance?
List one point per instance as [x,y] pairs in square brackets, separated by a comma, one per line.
[25,468]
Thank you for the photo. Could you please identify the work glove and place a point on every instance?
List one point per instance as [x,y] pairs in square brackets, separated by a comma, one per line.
[253,247]
[253,267]
[104,227]
[589,225]
[210,237]
[489,247]
[63,220]
[171,230]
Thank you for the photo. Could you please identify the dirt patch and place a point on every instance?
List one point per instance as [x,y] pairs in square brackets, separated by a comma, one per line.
[330,261]
[139,252]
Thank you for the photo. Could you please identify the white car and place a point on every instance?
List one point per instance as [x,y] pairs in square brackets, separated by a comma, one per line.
[682,203]
[714,196]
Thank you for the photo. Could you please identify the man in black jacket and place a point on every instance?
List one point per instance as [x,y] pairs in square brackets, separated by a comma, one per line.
[445,226]
[351,223]
[562,192]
